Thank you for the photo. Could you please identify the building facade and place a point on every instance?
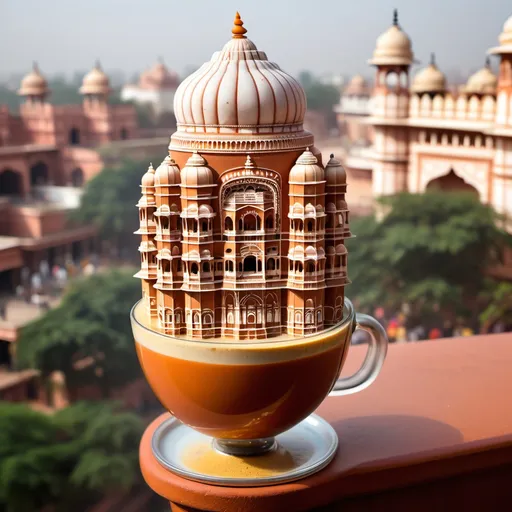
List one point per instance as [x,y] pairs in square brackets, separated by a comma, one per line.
[426,136]
[156,87]
[243,225]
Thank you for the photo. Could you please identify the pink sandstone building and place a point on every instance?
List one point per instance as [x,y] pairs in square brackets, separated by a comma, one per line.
[47,152]
[412,137]
[243,224]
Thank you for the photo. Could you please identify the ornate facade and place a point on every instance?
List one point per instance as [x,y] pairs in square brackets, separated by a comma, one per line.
[242,225]
[424,135]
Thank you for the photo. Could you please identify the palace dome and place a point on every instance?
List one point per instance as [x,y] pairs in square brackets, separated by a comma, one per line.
[393,47]
[306,169]
[33,84]
[484,81]
[167,173]
[196,173]
[358,86]
[148,178]
[95,82]
[429,79]
[335,173]
[239,91]
[159,77]
[505,39]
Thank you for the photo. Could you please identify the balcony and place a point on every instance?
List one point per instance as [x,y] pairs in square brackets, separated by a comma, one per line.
[433,433]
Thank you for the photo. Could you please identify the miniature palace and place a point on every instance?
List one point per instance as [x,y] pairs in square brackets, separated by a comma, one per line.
[242,226]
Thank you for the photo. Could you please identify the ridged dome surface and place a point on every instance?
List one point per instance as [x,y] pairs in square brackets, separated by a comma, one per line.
[196,173]
[167,173]
[306,169]
[240,91]
[335,173]
[148,178]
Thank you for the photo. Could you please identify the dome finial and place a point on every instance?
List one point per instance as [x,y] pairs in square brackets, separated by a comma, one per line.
[238,29]
[432,59]
[35,67]
[488,62]
[395,17]
[97,65]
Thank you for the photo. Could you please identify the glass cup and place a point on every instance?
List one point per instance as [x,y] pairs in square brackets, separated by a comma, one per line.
[244,393]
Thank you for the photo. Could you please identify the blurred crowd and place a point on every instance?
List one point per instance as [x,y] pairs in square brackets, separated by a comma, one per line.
[403,326]
[46,284]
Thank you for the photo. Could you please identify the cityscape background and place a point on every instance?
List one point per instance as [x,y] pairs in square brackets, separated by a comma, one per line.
[87,103]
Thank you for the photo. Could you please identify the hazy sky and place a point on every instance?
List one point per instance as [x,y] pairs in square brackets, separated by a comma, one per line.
[335,36]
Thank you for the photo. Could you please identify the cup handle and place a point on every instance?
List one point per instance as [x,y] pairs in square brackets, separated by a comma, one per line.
[372,363]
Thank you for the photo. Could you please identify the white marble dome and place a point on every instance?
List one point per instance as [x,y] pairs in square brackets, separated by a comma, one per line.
[484,81]
[429,79]
[393,47]
[239,91]
[34,84]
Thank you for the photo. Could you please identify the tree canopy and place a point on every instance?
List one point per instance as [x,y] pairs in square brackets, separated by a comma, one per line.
[109,203]
[68,459]
[320,96]
[429,249]
[90,325]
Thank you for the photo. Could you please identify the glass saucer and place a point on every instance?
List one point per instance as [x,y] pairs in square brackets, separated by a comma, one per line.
[301,451]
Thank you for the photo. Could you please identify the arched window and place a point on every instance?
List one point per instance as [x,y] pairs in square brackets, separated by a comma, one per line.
[299,225]
[298,317]
[204,226]
[299,266]
[228,224]
[269,315]
[207,318]
[231,318]
[164,222]
[194,268]
[240,225]
[319,316]
[166,266]
[206,266]
[310,267]
[10,183]
[309,318]
[271,264]
[249,264]
[196,319]
[269,222]
[310,226]
[250,222]
[74,136]
[194,225]
[77,177]
[39,174]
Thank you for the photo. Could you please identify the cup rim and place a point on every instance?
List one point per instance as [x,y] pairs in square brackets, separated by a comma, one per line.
[348,317]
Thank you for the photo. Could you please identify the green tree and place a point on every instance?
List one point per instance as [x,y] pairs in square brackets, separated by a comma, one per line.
[428,249]
[498,300]
[109,203]
[88,336]
[66,460]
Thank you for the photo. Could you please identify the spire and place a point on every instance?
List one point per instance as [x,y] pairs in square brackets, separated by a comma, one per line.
[35,67]
[161,60]
[395,17]
[249,164]
[238,29]
[97,65]
[432,59]
[488,62]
